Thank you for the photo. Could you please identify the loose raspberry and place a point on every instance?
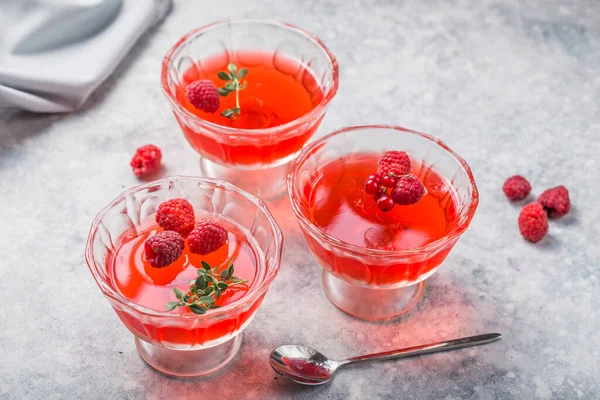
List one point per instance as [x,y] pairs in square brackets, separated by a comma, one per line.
[516,188]
[146,159]
[207,236]
[395,162]
[163,248]
[408,190]
[555,201]
[533,222]
[176,215]
[203,95]
[378,238]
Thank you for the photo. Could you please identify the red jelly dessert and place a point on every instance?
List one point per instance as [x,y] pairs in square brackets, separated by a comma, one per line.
[133,277]
[340,206]
[278,90]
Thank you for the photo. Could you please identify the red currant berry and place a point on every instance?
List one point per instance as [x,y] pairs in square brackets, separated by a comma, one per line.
[378,194]
[388,181]
[385,203]
[371,187]
[375,177]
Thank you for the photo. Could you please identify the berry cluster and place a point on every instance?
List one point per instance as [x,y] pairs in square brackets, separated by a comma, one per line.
[393,173]
[177,217]
[533,218]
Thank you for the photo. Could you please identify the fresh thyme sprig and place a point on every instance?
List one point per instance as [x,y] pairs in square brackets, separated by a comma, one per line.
[205,289]
[233,85]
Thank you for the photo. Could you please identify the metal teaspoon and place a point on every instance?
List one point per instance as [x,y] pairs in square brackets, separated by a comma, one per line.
[309,367]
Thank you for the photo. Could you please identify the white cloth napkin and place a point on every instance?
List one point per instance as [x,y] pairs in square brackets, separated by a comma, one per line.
[55,53]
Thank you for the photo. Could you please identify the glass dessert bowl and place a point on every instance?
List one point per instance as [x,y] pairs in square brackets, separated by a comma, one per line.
[179,341]
[375,263]
[289,79]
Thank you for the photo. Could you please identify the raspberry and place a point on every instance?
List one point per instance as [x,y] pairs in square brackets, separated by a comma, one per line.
[408,190]
[146,159]
[555,201]
[163,248]
[203,95]
[533,222]
[176,215]
[516,188]
[395,162]
[207,236]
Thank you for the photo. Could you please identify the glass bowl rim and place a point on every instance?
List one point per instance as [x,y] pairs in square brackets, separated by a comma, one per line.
[252,294]
[328,96]
[457,230]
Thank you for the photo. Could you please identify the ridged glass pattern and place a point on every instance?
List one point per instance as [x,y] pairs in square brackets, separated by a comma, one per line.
[372,267]
[207,196]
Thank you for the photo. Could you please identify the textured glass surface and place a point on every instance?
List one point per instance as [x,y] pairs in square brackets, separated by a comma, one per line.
[364,266]
[230,37]
[209,197]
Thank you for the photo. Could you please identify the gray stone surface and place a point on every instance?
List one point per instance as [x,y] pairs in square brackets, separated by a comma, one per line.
[512,86]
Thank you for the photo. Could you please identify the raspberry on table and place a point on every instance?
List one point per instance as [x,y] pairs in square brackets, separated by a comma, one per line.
[203,94]
[394,162]
[533,222]
[176,215]
[163,248]
[408,190]
[206,237]
[516,188]
[555,201]
[146,159]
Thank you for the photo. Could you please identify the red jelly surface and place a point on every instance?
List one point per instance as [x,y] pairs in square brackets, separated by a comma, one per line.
[339,206]
[144,285]
[279,91]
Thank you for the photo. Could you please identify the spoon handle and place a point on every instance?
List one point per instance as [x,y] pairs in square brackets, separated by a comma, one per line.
[428,348]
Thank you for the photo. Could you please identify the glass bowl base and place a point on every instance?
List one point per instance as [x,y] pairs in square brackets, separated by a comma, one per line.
[265,182]
[188,363]
[372,304]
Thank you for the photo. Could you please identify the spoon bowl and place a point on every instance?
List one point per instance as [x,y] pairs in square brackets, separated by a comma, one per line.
[302,364]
